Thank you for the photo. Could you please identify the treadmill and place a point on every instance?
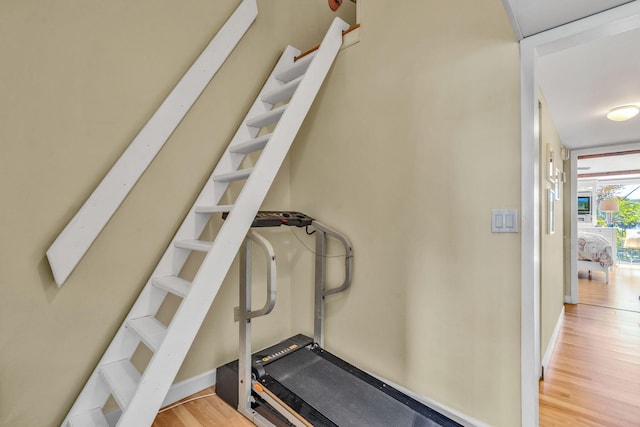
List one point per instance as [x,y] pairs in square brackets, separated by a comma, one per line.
[296,382]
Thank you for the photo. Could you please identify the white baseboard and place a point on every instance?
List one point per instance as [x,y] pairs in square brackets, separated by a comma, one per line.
[178,391]
[569,299]
[190,386]
[552,342]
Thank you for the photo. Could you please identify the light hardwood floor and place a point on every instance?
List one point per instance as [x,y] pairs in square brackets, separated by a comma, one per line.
[208,411]
[593,378]
[621,292]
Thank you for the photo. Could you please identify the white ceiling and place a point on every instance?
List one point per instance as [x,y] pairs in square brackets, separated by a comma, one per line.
[533,16]
[581,84]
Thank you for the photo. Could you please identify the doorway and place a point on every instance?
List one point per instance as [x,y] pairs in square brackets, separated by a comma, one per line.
[592,170]
[612,22]
[611,178]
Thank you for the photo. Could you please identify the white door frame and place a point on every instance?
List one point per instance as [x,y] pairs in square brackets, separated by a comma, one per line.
[572,298]
[614,21]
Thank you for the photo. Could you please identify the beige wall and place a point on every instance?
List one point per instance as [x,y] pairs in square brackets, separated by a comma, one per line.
[415,139]
[78,81]
[551,245]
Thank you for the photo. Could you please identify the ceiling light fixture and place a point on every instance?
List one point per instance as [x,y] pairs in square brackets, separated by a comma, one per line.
[623,112]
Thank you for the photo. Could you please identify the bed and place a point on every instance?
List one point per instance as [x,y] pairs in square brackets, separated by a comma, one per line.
[594,253]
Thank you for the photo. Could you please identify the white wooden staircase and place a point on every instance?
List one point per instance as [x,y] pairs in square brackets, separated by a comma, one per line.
[140,394]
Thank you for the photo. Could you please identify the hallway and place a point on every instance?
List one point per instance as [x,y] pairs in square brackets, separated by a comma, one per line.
[593,378]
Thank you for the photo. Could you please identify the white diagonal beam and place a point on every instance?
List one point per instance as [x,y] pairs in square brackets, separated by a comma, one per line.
[76,238]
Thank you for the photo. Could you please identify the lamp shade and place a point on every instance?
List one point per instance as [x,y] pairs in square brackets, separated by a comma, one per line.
[633,239]
[609,205]
[632,243]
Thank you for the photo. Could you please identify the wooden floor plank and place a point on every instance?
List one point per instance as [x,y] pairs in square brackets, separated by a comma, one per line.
[209,411]
[621,292]
[593,378]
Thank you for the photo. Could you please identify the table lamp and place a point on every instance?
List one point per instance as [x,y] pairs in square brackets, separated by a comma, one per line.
[609,206]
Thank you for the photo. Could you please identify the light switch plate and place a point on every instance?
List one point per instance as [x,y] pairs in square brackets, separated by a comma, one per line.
[504,221]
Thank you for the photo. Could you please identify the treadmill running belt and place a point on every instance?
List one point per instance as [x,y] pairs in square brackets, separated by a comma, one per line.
[341,397]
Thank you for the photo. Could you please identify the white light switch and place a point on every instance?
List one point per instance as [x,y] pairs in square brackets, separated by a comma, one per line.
[504,220]
[508,220]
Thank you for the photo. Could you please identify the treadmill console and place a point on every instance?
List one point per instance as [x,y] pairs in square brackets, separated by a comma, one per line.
[278,218]
[280,350]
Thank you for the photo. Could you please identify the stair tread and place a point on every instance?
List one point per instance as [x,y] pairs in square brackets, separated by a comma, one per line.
[173,284]
[283,92]
[150,331]
[213,208]
[93,418]
[123,379]
[267,118]
[233,176]
[296,69]
[196,245]
[251,145]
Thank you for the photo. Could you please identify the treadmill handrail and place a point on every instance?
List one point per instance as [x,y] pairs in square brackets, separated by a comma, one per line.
[348,258]
[264,244]
[320,293]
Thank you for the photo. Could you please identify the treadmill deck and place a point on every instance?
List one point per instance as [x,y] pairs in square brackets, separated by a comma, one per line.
[328,391]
